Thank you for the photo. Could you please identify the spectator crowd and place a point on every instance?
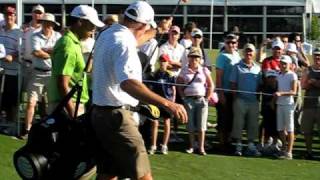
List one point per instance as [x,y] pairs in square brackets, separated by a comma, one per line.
[40,65]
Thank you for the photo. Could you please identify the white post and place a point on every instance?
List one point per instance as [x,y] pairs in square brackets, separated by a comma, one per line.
[92,3]
[19,23]
[211,24]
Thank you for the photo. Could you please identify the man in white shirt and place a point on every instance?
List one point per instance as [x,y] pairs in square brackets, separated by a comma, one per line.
[32,27]
[117,87]
[174,50]
[42,44]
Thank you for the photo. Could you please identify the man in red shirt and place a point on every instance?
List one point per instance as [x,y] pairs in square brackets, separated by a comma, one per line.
[273,62]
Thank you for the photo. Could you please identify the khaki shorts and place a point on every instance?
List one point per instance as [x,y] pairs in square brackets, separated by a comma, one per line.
[37,88]
[310,117]
[122,151]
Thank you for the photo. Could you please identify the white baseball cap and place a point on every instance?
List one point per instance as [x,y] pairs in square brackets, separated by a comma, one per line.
[88,13]
[142,12]
[38,8]
[196,31]
[249,46]
[292,47]
[286,59]
[277,43]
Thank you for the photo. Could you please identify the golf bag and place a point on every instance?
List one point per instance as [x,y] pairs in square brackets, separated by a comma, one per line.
[58,147]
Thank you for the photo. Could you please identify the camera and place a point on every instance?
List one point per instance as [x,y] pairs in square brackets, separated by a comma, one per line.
[57,148]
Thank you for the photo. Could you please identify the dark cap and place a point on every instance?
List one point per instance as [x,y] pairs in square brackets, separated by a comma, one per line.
[10,10]
[316,51]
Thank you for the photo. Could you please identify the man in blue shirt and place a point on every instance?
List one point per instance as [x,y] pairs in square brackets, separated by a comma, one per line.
[225,61]
[246,76]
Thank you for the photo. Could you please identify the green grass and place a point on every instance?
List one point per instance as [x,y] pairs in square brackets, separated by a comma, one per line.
[178,165]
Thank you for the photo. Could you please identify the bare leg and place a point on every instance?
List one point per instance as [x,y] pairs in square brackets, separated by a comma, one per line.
[166,133]
[290,141]
[201,139]
[29,114]
[154,132]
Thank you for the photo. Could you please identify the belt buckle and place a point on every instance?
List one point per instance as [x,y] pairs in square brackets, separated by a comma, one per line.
[125,107]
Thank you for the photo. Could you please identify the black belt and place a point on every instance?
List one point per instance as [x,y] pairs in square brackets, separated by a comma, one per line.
[42,70]
[194,97]
[28,61]
[126,107]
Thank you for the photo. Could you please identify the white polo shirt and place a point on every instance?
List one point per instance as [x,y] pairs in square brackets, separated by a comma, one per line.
[284,84]
[10,40]
[115,60]
[148,48]
[39,42]
[26,42]
[175,53]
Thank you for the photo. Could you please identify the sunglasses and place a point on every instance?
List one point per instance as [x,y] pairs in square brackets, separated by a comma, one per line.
[197,37]
[37,12]
[231,42]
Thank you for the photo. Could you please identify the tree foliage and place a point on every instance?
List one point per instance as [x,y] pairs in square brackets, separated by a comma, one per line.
[315,28]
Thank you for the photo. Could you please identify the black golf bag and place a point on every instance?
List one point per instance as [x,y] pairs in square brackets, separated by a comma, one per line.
[58,147]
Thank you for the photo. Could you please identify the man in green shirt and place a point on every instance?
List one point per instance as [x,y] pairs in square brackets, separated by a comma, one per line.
[67,61]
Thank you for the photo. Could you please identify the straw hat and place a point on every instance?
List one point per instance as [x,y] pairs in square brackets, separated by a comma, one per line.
[49,17]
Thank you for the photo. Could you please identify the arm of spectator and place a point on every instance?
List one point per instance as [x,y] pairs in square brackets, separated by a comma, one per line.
[180,89]
[174,92]
[261,53]
[292,92]
[63,86]
[41,54]
[175,64]
[305,80]
[303,59]
[37,50]
[209,83]
[139,91]
[219,75]
[314,82]
[151,33]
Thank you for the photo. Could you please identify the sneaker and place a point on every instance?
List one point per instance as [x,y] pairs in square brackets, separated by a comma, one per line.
[189,151]
[252,150]
[164,150]
[210,125]
[152,150]
[202,153]
[24,135]
[238,151]
[285,155]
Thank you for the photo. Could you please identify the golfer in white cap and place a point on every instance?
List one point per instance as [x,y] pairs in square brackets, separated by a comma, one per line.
[117,88]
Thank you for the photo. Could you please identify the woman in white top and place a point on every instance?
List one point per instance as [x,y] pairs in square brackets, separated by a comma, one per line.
[195,96]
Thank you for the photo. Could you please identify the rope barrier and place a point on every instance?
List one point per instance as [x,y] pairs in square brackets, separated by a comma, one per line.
[226,90]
